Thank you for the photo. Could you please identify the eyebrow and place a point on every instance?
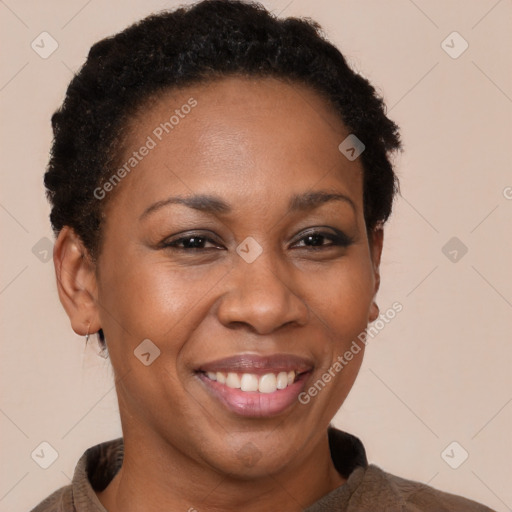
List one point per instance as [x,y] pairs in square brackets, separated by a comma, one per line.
[215,205]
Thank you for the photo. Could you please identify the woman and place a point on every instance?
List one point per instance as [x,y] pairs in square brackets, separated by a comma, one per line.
[219,182]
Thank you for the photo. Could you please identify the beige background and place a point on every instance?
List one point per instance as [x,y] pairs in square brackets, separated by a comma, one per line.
[439,372]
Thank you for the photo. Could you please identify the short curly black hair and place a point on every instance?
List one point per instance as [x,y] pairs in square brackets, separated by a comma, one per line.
[195,44]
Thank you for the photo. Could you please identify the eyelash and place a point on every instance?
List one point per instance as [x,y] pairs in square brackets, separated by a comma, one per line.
[339,239]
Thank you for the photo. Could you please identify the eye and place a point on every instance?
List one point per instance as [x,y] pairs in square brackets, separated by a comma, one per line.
[191,242]
[316,239]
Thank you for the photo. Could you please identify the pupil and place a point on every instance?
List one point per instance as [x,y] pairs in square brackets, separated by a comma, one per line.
[315,238]
[194,242]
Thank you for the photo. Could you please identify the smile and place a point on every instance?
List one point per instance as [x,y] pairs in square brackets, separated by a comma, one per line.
[256,386]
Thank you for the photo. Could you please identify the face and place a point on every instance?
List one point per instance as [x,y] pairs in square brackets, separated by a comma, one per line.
[237,245]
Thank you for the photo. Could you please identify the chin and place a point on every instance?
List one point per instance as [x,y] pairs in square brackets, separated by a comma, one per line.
[253,455]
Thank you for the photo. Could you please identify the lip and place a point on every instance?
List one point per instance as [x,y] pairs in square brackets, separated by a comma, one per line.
[252,403]
[258,364]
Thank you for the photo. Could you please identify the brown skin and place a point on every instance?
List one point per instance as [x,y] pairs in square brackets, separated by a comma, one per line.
[253,143]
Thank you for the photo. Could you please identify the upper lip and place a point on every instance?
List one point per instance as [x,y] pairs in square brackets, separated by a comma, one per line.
[259,364]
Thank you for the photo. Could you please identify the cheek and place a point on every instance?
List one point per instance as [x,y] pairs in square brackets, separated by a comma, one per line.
[343,305]
[150,298]
[142,290]
[344,295]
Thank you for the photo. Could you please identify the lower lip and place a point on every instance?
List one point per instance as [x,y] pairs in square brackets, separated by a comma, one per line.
[252,403]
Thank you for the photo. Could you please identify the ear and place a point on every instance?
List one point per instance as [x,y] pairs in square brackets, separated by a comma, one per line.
[376,241]
[76,282]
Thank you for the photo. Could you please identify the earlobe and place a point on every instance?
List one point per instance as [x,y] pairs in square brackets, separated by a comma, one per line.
[76,282]
[374,312]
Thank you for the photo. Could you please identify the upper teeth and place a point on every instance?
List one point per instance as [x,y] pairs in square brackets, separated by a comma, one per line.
[267,383]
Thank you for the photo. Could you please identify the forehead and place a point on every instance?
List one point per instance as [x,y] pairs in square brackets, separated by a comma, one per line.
[260,137]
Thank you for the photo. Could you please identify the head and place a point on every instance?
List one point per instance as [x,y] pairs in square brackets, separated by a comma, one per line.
[205,215]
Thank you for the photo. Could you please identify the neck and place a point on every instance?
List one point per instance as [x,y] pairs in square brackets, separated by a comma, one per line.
[160,477]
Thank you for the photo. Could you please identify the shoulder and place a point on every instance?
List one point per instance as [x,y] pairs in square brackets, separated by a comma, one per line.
[59,501]
[416,496]
[95,469]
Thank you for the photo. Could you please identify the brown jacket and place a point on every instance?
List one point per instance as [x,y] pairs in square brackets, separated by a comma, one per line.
[368,488]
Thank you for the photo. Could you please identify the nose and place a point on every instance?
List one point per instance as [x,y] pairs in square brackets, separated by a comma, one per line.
[261,296]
